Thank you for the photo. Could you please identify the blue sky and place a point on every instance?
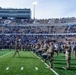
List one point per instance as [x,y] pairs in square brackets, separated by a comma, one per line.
[45,8]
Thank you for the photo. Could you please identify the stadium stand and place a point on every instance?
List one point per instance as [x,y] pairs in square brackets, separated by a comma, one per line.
[58,29]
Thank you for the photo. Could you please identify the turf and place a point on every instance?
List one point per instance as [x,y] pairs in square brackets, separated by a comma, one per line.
[27,60]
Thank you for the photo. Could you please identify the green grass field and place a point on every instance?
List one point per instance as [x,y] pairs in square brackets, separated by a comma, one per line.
[32,65]
[27,60]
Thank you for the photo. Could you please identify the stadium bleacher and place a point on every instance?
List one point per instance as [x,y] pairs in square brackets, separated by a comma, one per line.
[56,27]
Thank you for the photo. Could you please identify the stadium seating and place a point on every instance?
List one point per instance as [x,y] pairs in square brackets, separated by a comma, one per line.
[26,30]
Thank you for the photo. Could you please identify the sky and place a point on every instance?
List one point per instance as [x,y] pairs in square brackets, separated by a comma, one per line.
[45,8]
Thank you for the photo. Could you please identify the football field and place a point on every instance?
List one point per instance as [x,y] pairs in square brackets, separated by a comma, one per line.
[29,64]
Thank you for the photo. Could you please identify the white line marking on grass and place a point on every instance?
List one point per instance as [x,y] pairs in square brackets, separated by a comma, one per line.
[51,69]
[5,54]
[54,71]
[48,66]
[22,68]
[7,68]
[36,68]
[42,60]
[64,68]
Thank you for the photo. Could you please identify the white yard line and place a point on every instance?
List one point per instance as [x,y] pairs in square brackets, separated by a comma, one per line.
[48,66]
[5,54]
[22,68]
[36,68]
[7,68]
[64,68]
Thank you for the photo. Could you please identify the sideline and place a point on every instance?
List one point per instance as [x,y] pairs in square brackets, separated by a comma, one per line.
[47,65]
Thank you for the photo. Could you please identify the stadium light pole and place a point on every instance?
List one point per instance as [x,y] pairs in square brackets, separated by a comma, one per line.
[34,4]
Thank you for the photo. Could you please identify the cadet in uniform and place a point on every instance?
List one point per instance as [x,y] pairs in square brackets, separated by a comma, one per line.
[74,50]
[50,53]
[44,48]
[39,51]
[57,48]
[16,47]
[68,54]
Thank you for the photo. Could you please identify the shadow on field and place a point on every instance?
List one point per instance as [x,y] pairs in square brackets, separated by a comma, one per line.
[60,68]
[27,57]
[59,56]
[59,60]
[59,63]
[72,69]
[73,63]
